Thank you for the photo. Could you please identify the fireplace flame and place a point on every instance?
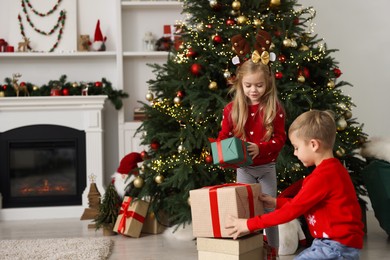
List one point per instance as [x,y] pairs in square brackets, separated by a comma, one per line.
[45,188]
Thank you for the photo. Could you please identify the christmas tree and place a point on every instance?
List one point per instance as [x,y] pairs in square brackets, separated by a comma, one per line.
[108,208]
[190,90]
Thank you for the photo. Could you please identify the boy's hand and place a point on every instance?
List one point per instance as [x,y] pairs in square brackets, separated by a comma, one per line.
[236,226]
[268,201]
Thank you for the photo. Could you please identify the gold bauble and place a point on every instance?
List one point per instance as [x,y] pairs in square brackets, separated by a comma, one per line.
[180,148]
[138,182]
[159,179]
[241,19]
[341,124]
[236,5]
[213,85]
[340,152]
[301,78]
[75,84]
[303,48]
[274,3]
[213,3]
[234,12]
[2,94]
[330,84]
[257,22]
[177,100]
[149,96]
[348,114]
[287,42]
[35,88]
[199,27]
[226,74]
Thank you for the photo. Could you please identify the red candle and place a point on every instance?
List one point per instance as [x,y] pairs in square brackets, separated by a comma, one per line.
[10,48]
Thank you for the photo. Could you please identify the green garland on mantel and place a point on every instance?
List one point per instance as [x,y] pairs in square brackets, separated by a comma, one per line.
[62,87]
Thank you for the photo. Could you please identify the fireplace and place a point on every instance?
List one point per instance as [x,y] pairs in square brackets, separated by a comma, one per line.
[65,131]
[43,165]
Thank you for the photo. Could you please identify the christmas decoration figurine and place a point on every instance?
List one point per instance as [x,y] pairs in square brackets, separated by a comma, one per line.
[99,42]
[127,166]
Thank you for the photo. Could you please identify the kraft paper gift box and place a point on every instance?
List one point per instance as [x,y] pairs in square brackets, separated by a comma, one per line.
[244,248]
[152,225]
[230,153]
[211,205]
[131,217]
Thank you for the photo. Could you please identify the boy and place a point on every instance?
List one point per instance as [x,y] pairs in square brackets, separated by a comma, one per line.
[327,197]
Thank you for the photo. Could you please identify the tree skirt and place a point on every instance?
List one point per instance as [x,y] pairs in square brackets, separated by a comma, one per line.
[58,248]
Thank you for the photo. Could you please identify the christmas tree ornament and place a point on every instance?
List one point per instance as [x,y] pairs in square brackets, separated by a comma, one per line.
[200,27]
[149,96]
[234,12]
[340,152]
[330,84]
[337,72]
[99,42]
[75,84]
[159,179]
[303,48]
[65,92]
[217,39]
[144,155]
[98,84]
[213,85]
[35,88]
[348,114]
[191,53]
[287,42]
[138,182]
[180,148]
[305,72]
[282,58]
[278,75]
[236,5]
[257,22]
[215,5]
[154,145]
[180,94]
[274,3]
[294,43]
[230,22]
[241,19]
[227,74]
[196,69]
[341,124]
[2,94]
[301,79]
[177,100]
[209,159]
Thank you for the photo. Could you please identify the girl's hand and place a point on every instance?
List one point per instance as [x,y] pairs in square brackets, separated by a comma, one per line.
[268,201]
[236,226]
[253,150]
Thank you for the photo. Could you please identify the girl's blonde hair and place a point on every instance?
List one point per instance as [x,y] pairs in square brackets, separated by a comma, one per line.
[315,124]
[269,100]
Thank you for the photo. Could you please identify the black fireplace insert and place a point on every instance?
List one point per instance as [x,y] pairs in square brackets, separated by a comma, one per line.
[42,165]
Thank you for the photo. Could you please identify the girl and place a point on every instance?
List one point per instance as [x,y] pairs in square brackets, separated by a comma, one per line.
[256,116]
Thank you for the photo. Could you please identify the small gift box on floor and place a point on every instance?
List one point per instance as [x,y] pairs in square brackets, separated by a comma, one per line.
[245,248]
[131,217]
[211,205]
[230,153]
[152,224]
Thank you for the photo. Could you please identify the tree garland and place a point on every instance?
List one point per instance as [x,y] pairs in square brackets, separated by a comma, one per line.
[66,88]
[24,2]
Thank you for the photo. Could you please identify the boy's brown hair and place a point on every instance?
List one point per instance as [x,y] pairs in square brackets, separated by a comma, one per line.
[315,124]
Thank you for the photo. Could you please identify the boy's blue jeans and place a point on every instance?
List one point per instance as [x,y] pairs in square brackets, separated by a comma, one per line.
[325,249]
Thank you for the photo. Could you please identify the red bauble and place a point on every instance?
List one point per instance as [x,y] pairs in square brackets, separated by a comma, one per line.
[230,22]
[144,155]
[282,58]
[217,39]
[191,53]
[22,84]
[98,84]
[305,72]
[277,33]
[296,20]
[4,87]
[278,75]
[180,94]
[209,159]
[155,145]
[196,69]
[65,92]
[337,72]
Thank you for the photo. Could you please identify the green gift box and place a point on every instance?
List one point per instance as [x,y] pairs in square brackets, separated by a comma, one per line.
[230,153]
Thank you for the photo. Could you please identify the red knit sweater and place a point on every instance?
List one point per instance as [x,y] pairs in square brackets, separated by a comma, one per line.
[328,201]
[255,131]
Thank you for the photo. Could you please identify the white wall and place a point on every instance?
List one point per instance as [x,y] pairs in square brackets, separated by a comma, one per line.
[360,31]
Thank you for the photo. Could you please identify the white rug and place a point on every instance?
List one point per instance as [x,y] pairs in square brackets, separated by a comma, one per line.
[56,249]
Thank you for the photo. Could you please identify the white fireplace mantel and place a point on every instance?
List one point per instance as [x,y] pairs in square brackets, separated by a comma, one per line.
[78,112]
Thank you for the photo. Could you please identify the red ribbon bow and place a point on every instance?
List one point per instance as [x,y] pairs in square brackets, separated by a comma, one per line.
[128,214]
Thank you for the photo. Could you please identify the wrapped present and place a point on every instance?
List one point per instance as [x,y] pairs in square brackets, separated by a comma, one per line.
[131,217]
[244,248]
[211,205]
[230,153]
[152,225]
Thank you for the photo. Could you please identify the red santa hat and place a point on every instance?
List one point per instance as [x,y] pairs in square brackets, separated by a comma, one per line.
[120,178]
[98,33]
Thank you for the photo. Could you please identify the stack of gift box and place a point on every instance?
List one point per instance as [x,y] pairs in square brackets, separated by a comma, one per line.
[134,219]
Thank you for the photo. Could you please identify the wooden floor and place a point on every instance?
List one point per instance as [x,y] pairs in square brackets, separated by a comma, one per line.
[163,246]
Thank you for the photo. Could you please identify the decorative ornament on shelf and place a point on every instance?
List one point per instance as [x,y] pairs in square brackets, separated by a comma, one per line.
[93,200]
[19,87]
[99,42]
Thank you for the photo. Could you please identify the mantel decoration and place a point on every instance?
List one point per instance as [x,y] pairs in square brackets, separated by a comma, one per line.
[62,87]
[60,23]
